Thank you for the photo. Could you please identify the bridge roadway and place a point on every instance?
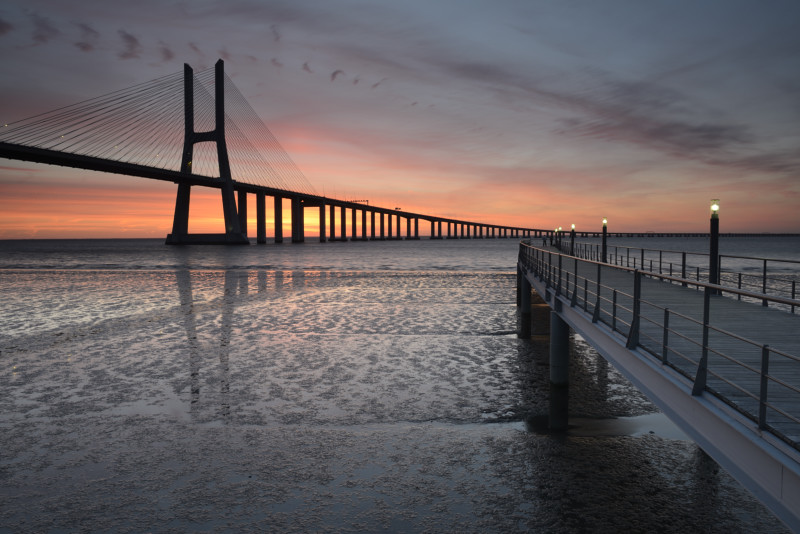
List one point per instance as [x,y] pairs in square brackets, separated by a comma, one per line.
[453,228]
[729,377]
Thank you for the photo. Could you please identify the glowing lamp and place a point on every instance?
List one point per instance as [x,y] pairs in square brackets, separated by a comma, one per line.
[714,208]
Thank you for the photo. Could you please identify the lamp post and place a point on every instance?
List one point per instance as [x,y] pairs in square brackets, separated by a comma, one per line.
[713,256]
[572,240]
[605,236]
[559,238]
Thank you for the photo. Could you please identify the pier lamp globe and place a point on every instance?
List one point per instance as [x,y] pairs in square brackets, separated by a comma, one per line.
[605,222]
[715,208]
[572,240]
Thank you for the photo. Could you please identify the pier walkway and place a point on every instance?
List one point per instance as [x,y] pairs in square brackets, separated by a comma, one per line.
[720,363]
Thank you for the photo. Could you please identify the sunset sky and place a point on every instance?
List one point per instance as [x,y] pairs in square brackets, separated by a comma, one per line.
[533,113]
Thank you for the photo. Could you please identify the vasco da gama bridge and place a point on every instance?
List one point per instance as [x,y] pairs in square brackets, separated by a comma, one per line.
[199,130]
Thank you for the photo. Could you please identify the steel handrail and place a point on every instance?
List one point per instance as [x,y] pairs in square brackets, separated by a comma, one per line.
[558,269]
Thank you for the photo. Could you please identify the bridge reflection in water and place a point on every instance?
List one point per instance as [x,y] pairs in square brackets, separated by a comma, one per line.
[720,361]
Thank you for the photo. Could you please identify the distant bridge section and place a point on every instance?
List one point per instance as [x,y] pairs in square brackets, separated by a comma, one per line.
[198,130]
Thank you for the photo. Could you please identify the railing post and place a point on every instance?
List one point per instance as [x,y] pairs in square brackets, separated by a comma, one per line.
[633,335]
[585,294]
[574,300]
[739,286]
[596,314]
[702,367]
[683,267]
[665,342]
[764,284]
[558,286]
[614,311]
[762,398]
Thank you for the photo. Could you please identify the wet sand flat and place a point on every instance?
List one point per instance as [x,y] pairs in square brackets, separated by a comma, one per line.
[298,400]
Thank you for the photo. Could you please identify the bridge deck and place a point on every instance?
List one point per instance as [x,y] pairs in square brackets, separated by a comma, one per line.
[746,419]
[738,331]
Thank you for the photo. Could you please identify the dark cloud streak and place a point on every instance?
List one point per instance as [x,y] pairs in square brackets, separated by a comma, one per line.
[5,27]
[131,46]
[89,37]
[43,31]
[166,52]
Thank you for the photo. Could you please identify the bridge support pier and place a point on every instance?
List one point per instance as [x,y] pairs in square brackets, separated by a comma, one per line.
[559,373]
[278,215]
[261,218]
[242,211]
[332,222]
[322,222]
[298,235]
[180,223]
[363,225]
[524,305]
[343,215]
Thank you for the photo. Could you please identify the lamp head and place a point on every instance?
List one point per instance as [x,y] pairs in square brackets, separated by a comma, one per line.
[715,208]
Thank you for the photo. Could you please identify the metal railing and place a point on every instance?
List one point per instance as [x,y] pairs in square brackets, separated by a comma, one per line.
[720,348]
[758,275]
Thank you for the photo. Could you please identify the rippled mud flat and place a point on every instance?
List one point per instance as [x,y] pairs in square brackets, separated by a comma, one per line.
[299,401]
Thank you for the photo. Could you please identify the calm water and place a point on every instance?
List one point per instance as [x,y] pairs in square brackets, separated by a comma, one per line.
[354,387]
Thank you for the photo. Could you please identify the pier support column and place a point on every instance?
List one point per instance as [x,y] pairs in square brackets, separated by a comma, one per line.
[298,235]
[408,228]
[343,213]
[180,222]
[398,227]
[524,306]
[261,218]
[372,224]
[416,228]
[363,225]
[353,229]
[559,373]
[242,211]
[322,222]
[389,226]
[333,222]
[278,215]
[383,236]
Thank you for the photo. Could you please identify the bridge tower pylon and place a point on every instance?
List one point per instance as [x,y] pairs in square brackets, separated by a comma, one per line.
[180,225]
